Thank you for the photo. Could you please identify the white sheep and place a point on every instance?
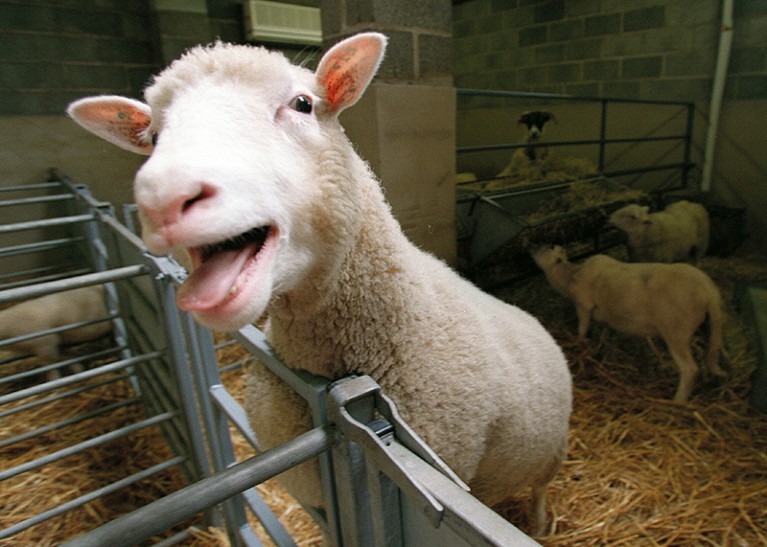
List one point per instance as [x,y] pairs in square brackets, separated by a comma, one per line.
[678,233]
[647,299]
[51,311]
[251,173]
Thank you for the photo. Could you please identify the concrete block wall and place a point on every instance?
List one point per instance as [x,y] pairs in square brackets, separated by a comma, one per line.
[404,126]
[54,52]
[645,49]
[420,35]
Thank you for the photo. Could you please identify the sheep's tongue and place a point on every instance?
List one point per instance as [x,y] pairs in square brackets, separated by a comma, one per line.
[211,283]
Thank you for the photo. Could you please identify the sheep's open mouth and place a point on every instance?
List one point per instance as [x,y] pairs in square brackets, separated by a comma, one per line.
[256,235]
[220,270]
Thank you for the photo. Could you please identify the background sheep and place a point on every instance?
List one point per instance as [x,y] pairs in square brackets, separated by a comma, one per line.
[51,311]
[667,300]
[251,173]
[526,158]
[678,233]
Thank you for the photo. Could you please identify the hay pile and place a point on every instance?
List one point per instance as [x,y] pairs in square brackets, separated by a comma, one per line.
[551,168]
[641,470]
[31,493]
[583,195]
[522,171]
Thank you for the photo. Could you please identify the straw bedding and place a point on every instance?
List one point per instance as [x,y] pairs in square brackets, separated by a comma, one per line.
[641,470]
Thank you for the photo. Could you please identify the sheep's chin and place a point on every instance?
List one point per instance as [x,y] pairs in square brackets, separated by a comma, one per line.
[231,288]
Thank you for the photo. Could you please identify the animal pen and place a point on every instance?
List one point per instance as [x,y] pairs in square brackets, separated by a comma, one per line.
[605,153]
[639,471]
[158,375]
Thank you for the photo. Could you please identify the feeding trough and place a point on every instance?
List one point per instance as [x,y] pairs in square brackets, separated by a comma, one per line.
[498,226]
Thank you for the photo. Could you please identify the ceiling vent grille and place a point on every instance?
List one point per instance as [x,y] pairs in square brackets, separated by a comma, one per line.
[282,23]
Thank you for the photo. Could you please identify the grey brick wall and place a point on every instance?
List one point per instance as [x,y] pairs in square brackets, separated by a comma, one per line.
[420,41]
[55,51]
[52,52]
[648,49]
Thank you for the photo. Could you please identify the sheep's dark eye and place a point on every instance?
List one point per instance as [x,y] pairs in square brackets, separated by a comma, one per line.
[302,104]
[154,138]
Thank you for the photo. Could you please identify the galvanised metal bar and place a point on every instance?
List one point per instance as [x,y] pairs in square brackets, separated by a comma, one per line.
[91,496]
[86,280]
[54,330]
[32,276]
[179,361]
[62,395]
[46,223]
[235,413]
[70,421]
[600,141]
[57,365]
[162,514]
[602,136]
[204,368]
[79,447]
[15,250]
[688,144]
[469,92]
[313,390]
[92,373]
[259,508]
[303,383]
[36,200]
[664,167]
[27,187]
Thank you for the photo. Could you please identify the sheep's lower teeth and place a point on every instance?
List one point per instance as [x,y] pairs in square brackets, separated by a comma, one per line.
[256,235]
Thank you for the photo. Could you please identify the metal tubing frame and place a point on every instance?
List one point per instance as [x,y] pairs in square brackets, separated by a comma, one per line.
[686,138]
[176,507]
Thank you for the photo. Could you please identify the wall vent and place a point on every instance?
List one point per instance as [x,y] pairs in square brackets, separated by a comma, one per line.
[282,23]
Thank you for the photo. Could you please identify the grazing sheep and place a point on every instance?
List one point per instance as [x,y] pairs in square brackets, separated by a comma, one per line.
[251,173]
[534,152]
[678,233]
[669,300]
[51,311]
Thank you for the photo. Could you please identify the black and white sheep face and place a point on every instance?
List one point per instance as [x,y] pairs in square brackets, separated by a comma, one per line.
[235,135]
[534,122]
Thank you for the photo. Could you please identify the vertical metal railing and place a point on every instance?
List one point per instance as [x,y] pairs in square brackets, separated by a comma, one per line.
[604,138]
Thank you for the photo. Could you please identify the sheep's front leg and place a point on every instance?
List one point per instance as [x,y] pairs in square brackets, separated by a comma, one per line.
[584,319]
[539,509]
[688,371]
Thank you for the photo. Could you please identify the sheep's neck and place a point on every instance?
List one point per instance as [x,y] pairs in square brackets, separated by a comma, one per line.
[561,276]
[348,314]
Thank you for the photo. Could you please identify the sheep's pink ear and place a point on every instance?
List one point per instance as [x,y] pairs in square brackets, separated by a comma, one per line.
[119,120]
[346,70]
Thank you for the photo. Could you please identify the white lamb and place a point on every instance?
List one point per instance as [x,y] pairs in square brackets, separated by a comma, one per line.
[678,233]
[51,311]
[647,299]
[251,173]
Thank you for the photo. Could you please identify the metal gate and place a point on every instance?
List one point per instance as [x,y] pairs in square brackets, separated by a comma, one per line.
[382,485]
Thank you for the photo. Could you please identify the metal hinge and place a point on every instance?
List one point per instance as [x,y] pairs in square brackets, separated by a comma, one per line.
[367,417]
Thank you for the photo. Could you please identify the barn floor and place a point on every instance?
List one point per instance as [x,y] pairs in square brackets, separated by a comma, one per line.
[641,470]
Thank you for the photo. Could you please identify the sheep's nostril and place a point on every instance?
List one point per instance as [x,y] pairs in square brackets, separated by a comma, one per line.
[205,193]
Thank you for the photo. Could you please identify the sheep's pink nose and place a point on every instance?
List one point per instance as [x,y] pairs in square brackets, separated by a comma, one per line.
[170,209]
